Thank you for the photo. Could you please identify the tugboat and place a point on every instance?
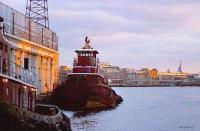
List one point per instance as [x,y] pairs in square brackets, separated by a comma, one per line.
[85,88]
[18,109]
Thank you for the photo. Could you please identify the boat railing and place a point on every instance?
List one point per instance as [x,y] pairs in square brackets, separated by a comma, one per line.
[17,24]
[11,69]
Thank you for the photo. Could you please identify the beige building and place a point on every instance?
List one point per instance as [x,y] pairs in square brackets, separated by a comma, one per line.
[34,47]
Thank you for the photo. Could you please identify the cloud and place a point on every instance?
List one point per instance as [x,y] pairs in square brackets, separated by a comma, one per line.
[129,33]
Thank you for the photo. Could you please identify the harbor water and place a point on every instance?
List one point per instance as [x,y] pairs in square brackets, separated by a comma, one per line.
[145,109]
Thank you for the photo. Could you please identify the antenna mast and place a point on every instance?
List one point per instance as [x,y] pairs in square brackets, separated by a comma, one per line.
[37,10]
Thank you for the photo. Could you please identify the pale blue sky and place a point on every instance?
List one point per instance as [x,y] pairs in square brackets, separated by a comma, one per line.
[128,33]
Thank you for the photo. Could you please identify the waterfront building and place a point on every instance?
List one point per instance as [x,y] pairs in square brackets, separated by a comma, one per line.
[179,75]
[172,76]
[104,64]
[154,74]
[17,85]
[63,72]
[143,77]
[114,75]
[194,78]
[33,47]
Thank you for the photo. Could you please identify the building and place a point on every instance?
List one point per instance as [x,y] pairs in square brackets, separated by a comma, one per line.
[33,47]
[143,77]
[172,76]
[117,76]
[63,72]
[114,75]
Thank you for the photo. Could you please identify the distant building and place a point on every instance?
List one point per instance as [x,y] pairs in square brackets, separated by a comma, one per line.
[113,74]
[179,75]
[172,76]
[143,77]
[104,64]
[63,72]
[154,74]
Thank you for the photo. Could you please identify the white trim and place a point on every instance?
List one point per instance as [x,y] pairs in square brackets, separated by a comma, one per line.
[86,50]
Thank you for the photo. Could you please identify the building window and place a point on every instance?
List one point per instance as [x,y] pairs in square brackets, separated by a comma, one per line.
[1,45]
[26,63]
[6,48]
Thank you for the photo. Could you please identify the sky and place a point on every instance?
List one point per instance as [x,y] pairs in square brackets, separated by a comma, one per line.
[128,33]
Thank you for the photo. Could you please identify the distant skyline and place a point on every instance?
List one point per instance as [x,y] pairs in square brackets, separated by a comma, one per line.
[129,33]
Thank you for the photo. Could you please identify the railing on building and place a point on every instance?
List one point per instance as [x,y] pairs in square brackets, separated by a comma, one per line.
[19,25]
[15,71]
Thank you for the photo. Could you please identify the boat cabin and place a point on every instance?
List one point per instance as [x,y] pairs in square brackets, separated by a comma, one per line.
[87,61]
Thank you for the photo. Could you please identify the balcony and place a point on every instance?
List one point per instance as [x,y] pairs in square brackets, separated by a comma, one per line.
[19,25]
[15,71]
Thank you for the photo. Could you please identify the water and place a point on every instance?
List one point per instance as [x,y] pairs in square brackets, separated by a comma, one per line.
[145,109]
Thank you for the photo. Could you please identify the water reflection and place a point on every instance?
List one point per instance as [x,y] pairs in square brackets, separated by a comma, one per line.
[90,112]
[87,120]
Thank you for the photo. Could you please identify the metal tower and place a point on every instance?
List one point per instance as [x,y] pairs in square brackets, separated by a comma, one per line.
[37,10]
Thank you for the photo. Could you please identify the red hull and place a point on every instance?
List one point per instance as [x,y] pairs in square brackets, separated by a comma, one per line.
[83,91]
